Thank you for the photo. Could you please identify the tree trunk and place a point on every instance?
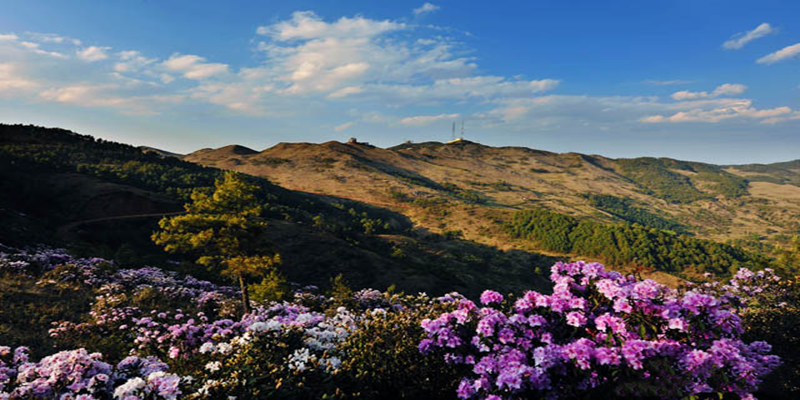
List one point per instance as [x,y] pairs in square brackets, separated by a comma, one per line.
[245,296]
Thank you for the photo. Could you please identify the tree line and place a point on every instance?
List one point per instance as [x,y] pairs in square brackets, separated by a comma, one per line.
[630,244]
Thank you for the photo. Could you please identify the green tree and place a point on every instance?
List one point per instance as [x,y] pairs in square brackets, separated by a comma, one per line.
[225,229]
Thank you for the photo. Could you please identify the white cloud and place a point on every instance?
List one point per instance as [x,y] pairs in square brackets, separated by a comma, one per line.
[131,61]
[688,95]
[103,96]
[306,25]
[740,39]
[345,91]
[11,81]
[53,38]
[360,59]
[713,111]
[93,53]
[240,97]
[729,89]
[426,8]
[34,47]
[194,67]
[726,89]
[776,120]
[344,126]
[424,120]
[8,37]
[780,55]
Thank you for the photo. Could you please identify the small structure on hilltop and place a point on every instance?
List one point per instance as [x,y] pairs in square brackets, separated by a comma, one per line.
[353,140]
[453,138]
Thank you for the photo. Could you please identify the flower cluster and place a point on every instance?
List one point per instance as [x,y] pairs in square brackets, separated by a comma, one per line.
[77,374]
[598,332]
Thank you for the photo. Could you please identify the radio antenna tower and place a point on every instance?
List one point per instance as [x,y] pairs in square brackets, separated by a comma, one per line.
[462,129]
[453,135]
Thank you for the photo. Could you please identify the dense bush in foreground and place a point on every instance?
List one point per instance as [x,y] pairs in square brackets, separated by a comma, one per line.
[599,334]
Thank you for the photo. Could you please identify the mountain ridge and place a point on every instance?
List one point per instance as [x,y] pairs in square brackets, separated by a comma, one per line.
[757,199]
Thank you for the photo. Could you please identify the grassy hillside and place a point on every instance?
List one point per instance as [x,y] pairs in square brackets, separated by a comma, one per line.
[469,187]
[104,199]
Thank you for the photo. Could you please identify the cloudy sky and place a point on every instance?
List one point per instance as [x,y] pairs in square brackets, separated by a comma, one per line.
[710,80]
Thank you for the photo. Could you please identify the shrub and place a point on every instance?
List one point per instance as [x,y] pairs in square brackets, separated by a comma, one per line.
[599,334]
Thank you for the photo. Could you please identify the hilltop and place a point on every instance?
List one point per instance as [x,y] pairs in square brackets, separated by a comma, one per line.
[752,203]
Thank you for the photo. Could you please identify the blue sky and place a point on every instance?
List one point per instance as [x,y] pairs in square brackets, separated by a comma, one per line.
[715,81]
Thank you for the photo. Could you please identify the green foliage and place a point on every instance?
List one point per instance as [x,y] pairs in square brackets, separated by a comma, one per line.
[657,177]
[270,161]
[626,244]
[453,234]
[622,207]
[777,322]
[340,292]
[224,229]
[273,287]
[27,310]
[35,149]
[784,173]
[378,363]
[724,183]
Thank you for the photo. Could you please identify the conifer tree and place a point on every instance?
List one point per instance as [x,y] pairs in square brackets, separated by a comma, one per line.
[225,229]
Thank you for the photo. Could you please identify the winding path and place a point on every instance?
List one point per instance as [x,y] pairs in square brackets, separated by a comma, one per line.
[64,229]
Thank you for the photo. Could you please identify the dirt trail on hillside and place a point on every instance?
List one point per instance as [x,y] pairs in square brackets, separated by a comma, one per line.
[365,201]
[64,229]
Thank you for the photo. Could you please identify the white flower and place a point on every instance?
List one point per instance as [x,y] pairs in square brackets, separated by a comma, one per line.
[129,387]
[214,366]
[274,325]
[224,348]
[299,358]
[207,347]
[304,318]
[258,327]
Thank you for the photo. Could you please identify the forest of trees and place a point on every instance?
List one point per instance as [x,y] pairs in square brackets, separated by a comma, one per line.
[657,177]
[622,207]
[630,244]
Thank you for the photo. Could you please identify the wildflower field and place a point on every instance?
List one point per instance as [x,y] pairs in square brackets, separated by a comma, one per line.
[150,333]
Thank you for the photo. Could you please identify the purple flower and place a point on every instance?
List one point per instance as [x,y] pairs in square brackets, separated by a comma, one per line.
[490,296]
[576,319]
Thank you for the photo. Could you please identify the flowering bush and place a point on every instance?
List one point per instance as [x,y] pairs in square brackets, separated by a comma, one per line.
[770,311]
[599,333]
[77,374]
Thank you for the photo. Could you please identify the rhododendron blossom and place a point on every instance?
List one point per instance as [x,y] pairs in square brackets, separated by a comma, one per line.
[598,331]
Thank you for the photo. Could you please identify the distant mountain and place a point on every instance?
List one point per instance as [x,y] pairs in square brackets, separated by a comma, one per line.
[162,153]
[481,184]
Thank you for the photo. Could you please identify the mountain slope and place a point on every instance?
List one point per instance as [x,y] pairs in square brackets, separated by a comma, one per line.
[480,184]
[104,199]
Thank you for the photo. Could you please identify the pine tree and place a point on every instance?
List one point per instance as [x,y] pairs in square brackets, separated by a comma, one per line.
[224,229]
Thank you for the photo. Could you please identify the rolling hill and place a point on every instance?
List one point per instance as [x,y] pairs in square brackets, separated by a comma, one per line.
[478,185]
[100,198]
[430,216]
